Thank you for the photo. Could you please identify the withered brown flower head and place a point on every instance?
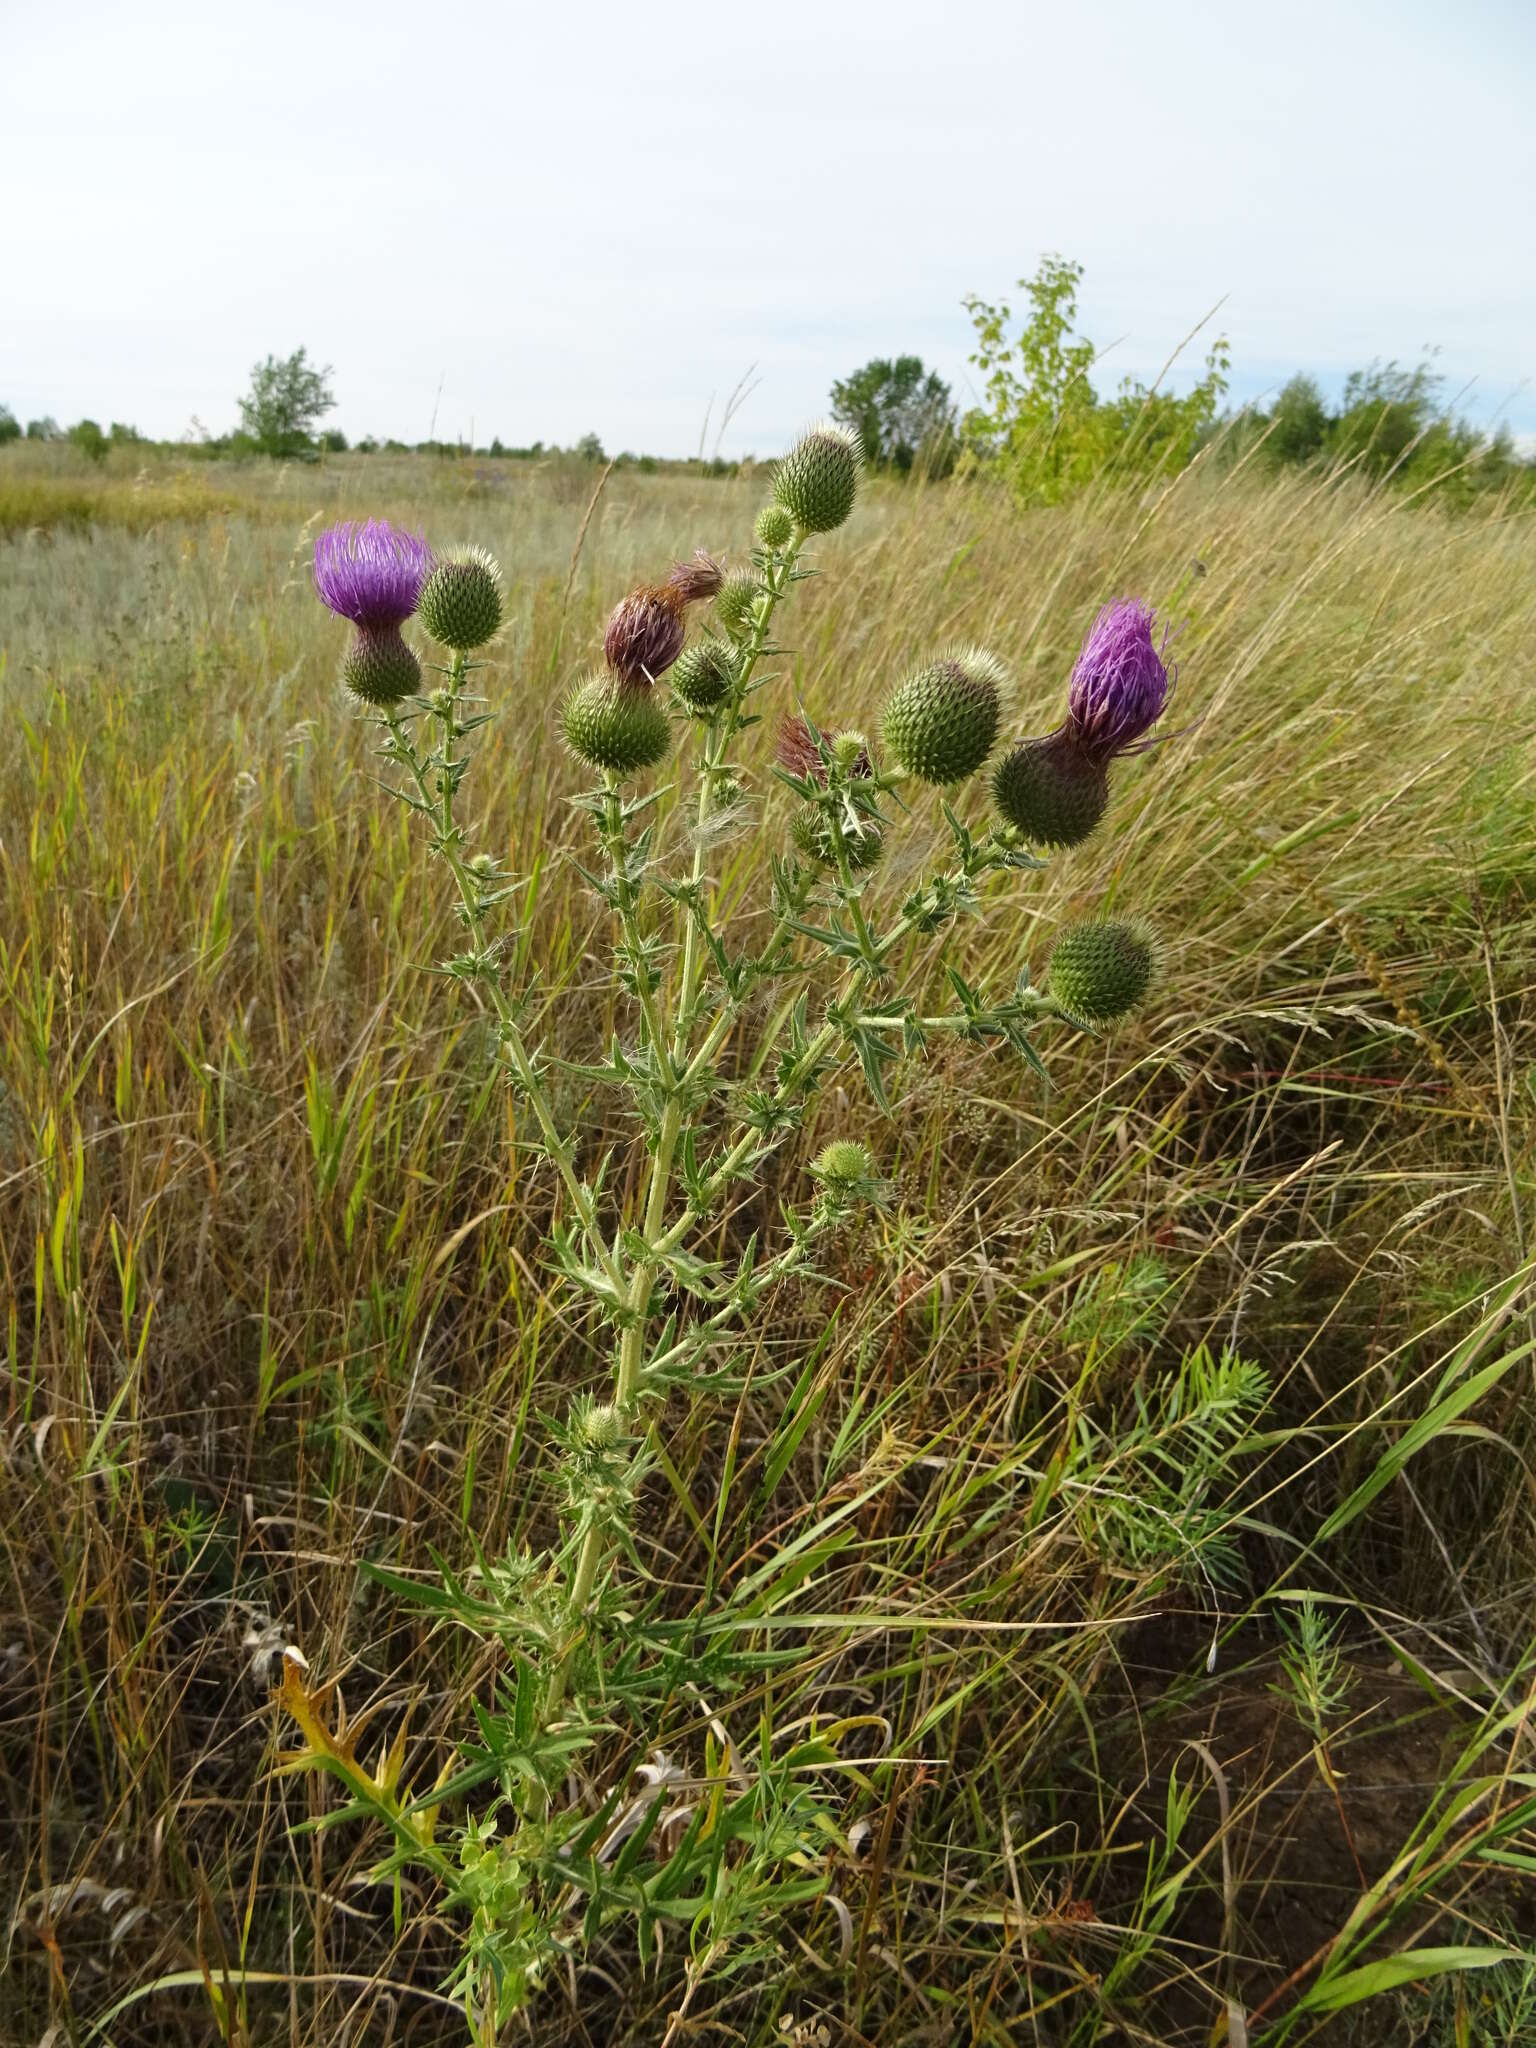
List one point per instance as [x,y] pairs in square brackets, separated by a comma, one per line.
[798,754]
[645,633]
[697,580]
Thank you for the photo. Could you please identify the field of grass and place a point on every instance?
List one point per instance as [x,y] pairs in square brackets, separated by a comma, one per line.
[1236,1310]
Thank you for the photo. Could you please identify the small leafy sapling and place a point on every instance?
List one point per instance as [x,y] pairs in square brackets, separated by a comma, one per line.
[852,995]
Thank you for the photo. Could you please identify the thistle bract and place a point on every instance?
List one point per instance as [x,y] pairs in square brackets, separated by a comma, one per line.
[703,675]
[1051,790]
[812,834]
[379,669]
[645,633]
[818,480]
[940,723]
[1120,682]
[1102,970]
[371,573]
[614,724]
[462,599]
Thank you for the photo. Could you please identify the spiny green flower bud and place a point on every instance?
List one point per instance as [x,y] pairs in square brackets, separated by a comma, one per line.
[736,603]
[818,479]
[845,1163]
[599,1427]
[849,749]
[774,526]
[379,668]
[611,724]
[463,599]
[1051,790]
[809,829]
[703,675]
[940,723]
[1101,971]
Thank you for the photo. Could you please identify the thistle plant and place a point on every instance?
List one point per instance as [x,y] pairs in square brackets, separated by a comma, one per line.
[717,1081]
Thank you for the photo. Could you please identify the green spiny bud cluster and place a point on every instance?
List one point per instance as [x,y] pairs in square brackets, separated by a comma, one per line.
[1050,790]
[463,599]
[379,668]
[811,833]
[1102,970]
[818,479]
[845,1163]
[736,602]
[703,674]
[775,527]
[616,725]
[941,722]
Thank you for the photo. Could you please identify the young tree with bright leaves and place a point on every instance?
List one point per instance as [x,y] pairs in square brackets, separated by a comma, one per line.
[902,413]
[287,397]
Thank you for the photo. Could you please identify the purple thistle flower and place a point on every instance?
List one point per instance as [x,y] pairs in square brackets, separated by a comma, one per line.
[1120,682]
[371,574]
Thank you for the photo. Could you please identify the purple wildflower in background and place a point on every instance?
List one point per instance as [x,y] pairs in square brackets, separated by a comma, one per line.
[1120,683]
[371,574]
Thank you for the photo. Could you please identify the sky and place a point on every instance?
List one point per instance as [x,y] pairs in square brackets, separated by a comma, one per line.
[539,222]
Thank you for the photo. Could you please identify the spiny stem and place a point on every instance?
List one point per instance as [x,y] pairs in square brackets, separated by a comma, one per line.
[439,805]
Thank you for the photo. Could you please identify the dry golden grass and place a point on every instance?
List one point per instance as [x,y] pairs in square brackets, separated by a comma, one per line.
[276,1306]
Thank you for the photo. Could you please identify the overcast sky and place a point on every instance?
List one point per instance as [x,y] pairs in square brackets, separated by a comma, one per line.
[596,217]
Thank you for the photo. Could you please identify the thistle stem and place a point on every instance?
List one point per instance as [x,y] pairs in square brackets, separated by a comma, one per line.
[439,806]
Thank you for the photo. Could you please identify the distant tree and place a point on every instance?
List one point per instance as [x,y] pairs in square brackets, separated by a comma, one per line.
[590,449]
[119,432]
[334,441]
[86,435]
[45,429]
[496,447]
[367,446]
[1385,410]
[1298,426]
[901,412]
[286,399]
[1043,426]
[10,426]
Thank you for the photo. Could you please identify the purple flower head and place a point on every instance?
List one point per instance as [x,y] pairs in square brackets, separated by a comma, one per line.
[371,574]
[1120,682]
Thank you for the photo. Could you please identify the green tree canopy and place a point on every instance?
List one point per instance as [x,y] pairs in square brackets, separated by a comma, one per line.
[901,412]
[286,399]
